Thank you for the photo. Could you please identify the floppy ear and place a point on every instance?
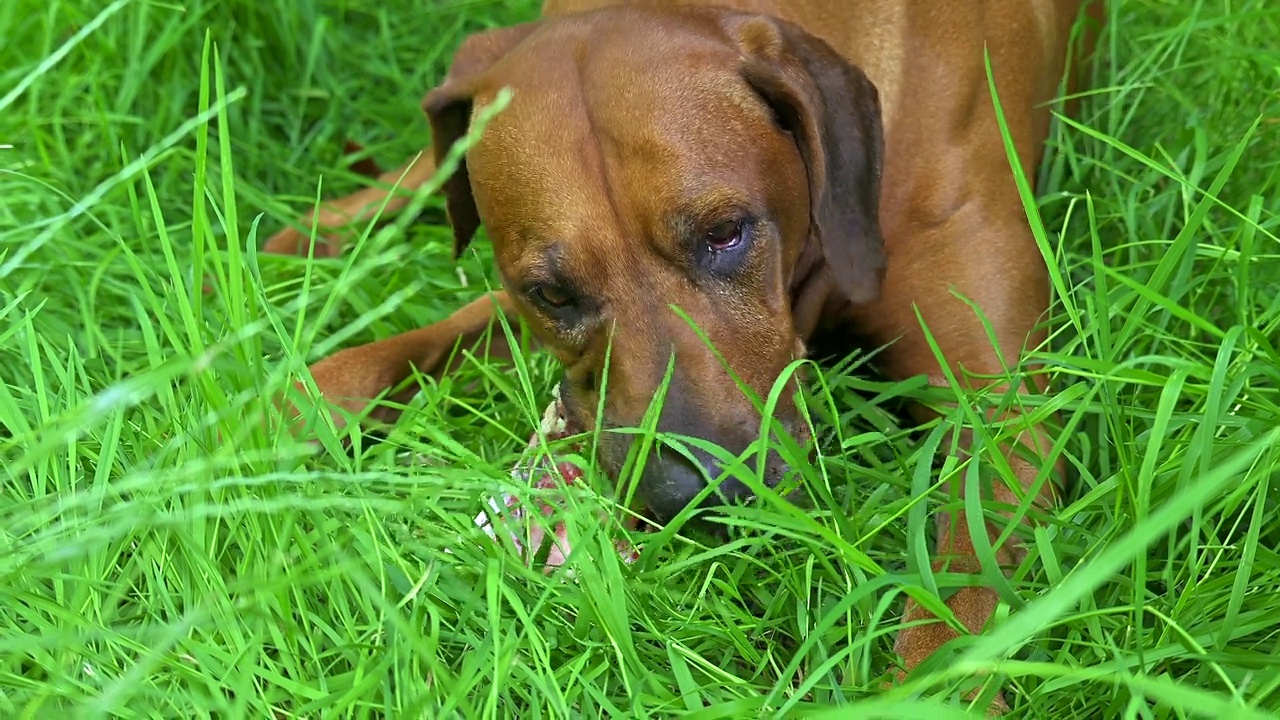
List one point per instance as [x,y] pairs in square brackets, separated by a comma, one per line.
[833,111]
[448,108]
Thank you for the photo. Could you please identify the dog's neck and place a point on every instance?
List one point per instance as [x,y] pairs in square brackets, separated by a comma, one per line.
[811,291]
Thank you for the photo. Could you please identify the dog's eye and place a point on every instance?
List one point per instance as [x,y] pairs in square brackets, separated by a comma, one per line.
[553,297]
[725,236]
[721,248]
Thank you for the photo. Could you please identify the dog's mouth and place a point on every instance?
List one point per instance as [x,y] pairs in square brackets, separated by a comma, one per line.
[612,458]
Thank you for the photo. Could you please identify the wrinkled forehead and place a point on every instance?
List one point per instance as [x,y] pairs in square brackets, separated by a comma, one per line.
[598,113]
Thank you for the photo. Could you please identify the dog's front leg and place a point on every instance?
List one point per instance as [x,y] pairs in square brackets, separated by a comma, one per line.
[351,380]
[336,216]
[1009,285]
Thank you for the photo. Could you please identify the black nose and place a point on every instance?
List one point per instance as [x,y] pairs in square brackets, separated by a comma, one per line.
[671,482]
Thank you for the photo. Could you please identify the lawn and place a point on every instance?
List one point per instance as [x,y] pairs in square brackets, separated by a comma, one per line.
[164,552]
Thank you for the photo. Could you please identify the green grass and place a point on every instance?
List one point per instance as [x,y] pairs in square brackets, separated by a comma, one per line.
[163,554]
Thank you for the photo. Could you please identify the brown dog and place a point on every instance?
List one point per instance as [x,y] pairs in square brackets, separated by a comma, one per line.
[793,174]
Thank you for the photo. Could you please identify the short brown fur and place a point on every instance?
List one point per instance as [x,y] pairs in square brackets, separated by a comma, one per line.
[860,139]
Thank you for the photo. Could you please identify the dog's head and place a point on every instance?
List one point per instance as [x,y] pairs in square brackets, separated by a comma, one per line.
[653,164]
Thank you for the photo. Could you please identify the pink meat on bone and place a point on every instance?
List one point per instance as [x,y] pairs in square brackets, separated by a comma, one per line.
[529,534]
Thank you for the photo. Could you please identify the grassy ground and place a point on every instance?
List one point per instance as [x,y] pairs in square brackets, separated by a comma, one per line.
[162,554]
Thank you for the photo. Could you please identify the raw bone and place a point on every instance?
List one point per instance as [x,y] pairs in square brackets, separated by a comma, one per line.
[529,538]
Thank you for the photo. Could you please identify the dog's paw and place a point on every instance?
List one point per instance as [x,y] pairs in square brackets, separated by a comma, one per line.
[972,606]
[348,387]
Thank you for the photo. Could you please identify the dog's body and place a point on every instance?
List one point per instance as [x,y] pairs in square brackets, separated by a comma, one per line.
[810,183]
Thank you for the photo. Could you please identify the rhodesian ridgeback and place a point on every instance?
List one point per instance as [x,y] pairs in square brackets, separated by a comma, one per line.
[797,176]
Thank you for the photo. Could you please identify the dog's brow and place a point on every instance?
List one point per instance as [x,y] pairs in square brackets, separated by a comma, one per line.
[685,223]
[545,259]
[709,205]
